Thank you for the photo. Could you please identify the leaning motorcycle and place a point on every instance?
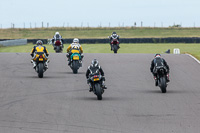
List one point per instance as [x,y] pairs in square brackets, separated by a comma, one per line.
[76,62]
[115,45]
[162,78]
[40,63]
[58,46]
[96,80]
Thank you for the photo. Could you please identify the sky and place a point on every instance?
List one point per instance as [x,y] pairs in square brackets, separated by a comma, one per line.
[94,13]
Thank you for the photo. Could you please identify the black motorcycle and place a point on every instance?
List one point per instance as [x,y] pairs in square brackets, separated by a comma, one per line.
[96,83]
[162,78]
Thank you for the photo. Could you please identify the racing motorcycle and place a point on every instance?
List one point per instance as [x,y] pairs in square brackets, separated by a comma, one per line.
[58,46]
[96,83]
[162,78]
[40,63]
[115,45]
[76,62]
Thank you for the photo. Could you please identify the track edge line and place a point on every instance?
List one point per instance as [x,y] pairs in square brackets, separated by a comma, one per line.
[193,58]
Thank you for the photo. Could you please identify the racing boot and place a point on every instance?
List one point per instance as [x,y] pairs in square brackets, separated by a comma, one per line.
[156,81]
[80,63]
[167,77]
[69,63]
[46,65]
[90,87]
[34,64]
[103,85]
[118,46]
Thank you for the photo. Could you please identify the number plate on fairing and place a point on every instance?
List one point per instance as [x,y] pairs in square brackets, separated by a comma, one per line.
[40,59]
[96,79]
[75,57]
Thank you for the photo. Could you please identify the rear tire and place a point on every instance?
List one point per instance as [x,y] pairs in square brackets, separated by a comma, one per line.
[40,70]
[163,85]
[98,91]
[75,67]
[58,49]
[115,49]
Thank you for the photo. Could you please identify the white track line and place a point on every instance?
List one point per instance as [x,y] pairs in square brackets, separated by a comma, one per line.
[194,58]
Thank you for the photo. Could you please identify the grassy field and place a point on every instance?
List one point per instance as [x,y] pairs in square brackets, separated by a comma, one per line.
[193,49]
[126,32]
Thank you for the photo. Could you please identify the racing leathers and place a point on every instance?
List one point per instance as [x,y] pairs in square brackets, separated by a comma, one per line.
[74,48]
[158,61]
[91,69]
[112,37]
[57,37]
[34,55]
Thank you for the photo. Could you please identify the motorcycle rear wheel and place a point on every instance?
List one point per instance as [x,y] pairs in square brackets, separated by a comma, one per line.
[40,70]
[98,91]
[163,85]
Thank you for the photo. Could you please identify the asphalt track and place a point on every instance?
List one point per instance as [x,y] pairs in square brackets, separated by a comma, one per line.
[61,103]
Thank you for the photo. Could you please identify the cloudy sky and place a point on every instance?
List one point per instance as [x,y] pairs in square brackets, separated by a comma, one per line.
[99,12]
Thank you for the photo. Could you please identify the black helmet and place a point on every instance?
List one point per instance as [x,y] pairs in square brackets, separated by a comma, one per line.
[39,42]
[95,63]
[157,55]
[114,32]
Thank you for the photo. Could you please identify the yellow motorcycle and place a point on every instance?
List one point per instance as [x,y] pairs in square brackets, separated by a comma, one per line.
[40,59]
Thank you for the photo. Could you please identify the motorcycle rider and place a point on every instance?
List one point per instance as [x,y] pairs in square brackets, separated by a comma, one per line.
[93,68]
[158,61]
[56,37]
[114,36]
[39,48]
[75,47]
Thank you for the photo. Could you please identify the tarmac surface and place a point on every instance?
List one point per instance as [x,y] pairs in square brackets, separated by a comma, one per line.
[61,102]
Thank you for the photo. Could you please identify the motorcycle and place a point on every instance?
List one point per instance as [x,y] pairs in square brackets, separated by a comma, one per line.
[114,45]
[40,63]
[76,62]
[162,78]
[96,80]
[58,46]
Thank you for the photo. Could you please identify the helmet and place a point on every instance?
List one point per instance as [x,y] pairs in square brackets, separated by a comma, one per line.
[39,42]
[75,40]
[57,33]
[157,55]
[95,63]
[114,32]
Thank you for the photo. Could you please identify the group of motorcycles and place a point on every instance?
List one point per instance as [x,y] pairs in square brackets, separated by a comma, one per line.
[95,77]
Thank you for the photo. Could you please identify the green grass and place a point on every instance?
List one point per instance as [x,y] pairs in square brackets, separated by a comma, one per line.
[193,49]
[124,32]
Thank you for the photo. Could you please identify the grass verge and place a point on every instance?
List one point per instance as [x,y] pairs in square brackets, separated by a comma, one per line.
[192,48]
[124,32]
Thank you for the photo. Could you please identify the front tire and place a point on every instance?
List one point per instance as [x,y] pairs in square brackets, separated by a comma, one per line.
[40,70]
[98,91]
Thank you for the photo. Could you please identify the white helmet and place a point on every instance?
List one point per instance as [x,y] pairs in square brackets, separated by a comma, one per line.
[57,33]
[75,40]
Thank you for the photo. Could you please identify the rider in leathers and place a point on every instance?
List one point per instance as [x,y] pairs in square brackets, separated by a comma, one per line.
[113,36]
[39,48]
[75,47]
[158,61]
[93,68]
[56,37]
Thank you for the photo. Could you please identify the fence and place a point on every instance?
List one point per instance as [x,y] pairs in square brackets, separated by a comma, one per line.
[130,40]
[5,42]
